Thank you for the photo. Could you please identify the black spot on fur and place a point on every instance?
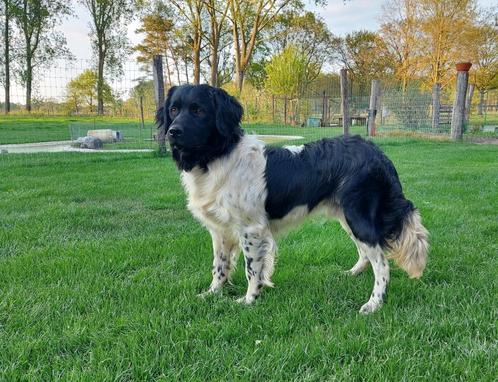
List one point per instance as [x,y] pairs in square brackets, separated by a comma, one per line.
[247,249]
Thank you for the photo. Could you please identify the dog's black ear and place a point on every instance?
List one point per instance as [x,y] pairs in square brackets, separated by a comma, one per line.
[162,115]
[229,112]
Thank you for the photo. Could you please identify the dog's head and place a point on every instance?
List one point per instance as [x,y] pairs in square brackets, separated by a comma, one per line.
[202,124]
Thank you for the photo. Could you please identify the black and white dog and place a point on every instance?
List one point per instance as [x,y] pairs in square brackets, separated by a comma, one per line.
[244,192]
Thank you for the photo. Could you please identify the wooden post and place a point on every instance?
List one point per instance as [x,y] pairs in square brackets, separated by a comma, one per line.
[142,123]
[468,102]
[372,112]
[157,72]
[273,108]
[480,106]
[457,120]
[436,105]
[322,122]
[345,101]
[285,110]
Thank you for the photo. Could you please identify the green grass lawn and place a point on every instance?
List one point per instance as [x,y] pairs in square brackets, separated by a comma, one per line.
[100,264]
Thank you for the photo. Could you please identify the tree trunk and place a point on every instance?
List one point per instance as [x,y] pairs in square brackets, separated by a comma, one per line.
[29,81]
[196,58]
[100,81]
[214,63]
[186,71]
[7,63]
[168,73]
[240,79]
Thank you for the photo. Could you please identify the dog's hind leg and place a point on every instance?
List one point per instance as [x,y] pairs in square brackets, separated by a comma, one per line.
[225,250]
[259,249]
[363,261]
[380,268]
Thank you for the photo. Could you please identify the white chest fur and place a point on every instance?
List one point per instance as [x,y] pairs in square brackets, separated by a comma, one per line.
[231,194]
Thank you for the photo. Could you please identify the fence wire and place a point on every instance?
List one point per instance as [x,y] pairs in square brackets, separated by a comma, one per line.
[64,108]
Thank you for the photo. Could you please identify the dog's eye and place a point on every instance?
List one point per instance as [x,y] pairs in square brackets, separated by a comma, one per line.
[196,110]
[173,110]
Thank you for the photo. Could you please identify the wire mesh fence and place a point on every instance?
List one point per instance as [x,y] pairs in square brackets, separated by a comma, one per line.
[64,109]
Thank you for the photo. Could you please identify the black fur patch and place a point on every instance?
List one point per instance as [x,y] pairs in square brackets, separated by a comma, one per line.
[349,171]
[205,121]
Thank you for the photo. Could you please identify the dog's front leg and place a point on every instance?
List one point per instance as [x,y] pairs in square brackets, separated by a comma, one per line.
[259,250]
[225,251]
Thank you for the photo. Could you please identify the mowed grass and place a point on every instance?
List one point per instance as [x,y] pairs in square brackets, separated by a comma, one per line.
[100,264]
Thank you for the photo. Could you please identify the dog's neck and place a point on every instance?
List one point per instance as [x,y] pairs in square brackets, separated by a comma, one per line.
[187,160]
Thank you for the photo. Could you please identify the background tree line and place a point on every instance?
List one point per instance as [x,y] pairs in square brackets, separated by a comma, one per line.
[277,46]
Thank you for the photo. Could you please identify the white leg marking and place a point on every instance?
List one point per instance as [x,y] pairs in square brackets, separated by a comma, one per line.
[259,252]
[362,262]
[224,260]
[381,272]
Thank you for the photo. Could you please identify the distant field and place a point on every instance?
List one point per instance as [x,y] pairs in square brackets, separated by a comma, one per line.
[100,263]
[27,129]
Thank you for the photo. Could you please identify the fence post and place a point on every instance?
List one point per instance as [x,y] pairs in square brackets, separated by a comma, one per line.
[345,101]
[285,110]
[457,120]
[273,108]
[468,102]
[480,106]
[436,105]
[157,72]
[372,112]
[325,106]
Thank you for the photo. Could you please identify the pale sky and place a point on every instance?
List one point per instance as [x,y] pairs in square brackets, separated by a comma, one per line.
[341,18]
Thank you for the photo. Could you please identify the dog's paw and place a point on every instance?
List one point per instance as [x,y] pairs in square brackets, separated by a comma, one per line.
[370,307]
[351,272]
[247,300]
[208,293]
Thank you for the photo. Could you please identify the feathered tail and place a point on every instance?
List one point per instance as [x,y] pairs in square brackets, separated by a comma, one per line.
[409,250]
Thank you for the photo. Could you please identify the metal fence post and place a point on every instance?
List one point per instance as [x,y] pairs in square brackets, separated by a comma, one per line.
[372,112]
[345,101]
[458,118]
[436,105]
[157,72]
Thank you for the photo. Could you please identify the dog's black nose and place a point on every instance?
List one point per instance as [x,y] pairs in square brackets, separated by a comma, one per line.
[175,132]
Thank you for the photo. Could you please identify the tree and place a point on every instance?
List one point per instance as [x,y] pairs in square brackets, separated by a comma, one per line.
[363,54]
[5,60]
[82,92]
[217,11]
[289,73]
[400,32]
[192,11]
[484,48]
[40,43]
[157,28]
[309,34]
[248,19]
[108,37]
[444,25]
